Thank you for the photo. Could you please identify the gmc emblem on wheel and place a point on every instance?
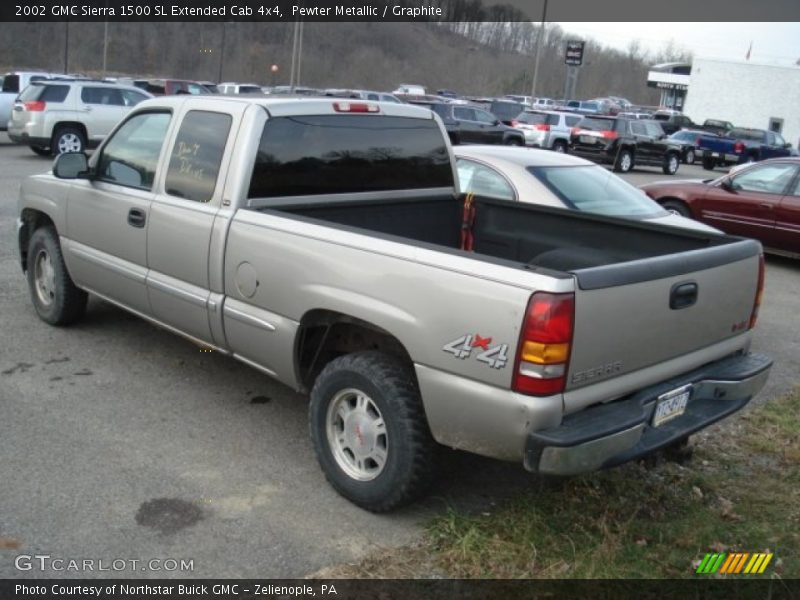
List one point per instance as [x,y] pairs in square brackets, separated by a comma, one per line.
[597,372]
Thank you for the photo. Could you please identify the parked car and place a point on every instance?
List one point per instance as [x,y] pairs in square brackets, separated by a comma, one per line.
[168,87]
[761,201]
[546,129]
[239,88]
[410,89]
[689,140]
[472,125]
[672,121]
[636,115]
[57,116]
[716,126]
[506,110]
[562,181]
[624,143]
[741,145]
[13,84]
[526,100]
[607,106]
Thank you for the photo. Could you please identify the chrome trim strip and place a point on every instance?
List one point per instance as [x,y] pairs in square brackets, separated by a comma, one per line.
[247,319]
[103,260]
[177,292]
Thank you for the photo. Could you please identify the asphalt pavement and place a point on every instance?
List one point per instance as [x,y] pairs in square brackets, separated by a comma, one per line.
[122,442]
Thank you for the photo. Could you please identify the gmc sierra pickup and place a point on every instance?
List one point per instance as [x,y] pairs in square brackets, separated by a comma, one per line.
[325,243]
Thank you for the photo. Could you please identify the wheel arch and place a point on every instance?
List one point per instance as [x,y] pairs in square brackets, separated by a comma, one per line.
[31,219]
[325,334]
[676,200]
[73,124]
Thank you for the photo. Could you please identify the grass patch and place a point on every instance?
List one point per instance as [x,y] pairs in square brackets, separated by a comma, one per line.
[739,492]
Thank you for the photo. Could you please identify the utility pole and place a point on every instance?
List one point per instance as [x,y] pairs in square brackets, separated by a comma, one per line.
[293,71]
[539,40]
[66,47]
[300,51]
[221,54]
[105,46]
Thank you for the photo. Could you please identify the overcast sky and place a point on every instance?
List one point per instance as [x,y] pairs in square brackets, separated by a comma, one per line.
[775,43]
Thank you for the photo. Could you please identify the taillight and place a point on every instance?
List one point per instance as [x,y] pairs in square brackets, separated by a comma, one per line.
[545,344]
[759,292]
[697,142]
[355,107]
[610,135]
[738,147]
[542,127]
[574,131]
[35,106]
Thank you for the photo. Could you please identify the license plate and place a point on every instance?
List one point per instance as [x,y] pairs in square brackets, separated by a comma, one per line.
[587,139]
[671,405]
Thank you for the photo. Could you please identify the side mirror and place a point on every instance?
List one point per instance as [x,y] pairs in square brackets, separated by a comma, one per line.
[496,122]
[727,185]
[71,165]
[787,145]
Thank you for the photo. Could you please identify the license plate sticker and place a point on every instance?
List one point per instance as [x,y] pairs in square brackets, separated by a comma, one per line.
[671,405]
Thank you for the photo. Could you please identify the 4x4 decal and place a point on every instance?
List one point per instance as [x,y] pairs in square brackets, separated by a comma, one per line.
[494,356]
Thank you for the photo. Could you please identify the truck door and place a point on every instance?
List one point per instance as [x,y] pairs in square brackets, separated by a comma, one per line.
[787,220]
[107,216]
[182,216]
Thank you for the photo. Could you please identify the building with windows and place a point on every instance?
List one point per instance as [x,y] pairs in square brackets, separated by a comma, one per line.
[673,81]
[747,94]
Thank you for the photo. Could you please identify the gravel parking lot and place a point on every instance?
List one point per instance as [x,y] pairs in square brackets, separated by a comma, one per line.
[121,441]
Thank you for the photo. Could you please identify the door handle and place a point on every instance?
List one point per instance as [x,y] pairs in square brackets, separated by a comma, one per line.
[87,108]
[683,295]
[766,205]
[136,217]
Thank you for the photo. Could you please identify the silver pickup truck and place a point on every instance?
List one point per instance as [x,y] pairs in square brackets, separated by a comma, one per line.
[325,243]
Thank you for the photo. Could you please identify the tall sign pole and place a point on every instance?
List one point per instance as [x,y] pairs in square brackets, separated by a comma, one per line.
[539,40]
[573,58]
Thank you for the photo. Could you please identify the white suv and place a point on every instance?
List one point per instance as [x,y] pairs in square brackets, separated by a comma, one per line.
[59,115]
[547,128]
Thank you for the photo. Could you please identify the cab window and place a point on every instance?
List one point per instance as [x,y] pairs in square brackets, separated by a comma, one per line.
[130,156]
[197,154]
[475,178]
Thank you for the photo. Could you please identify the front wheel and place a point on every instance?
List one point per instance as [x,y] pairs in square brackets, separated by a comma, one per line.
[677,208]
[40,150]
[512,141]
[671,163]
[369,431]
[690,157]
[624,162]
[55,297]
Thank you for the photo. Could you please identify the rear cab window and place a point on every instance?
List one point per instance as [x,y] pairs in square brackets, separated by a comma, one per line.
[197,154]
[338,154]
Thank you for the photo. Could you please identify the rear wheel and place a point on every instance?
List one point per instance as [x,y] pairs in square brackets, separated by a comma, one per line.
[514,141]
[68,139]
[677,207]
[55,297]
[624,162]
[671,163]
[560,146]
[709,163]
[369,431]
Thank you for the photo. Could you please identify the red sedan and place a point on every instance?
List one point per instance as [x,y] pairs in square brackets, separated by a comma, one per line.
[760,201]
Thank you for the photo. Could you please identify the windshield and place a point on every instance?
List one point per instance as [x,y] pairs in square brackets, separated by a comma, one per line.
[593,189]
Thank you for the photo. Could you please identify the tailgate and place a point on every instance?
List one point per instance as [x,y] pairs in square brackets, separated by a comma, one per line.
[642,313]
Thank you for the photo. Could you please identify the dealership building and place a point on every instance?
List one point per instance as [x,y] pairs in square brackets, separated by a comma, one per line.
[745,93]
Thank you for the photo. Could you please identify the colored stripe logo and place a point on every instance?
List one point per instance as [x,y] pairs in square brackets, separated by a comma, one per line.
[735,563]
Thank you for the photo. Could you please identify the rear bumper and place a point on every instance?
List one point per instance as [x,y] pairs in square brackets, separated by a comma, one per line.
[611,434]
[593,153]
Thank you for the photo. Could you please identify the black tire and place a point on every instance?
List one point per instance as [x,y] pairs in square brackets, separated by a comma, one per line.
[677,207]
[410,451]
[709,163]
[40,150]
[560,146]
[690,157]
[624,162]
[58,301]
[671,164]
[68,139]
[514,141]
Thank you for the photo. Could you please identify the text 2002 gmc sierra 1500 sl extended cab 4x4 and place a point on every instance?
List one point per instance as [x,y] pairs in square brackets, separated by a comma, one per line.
[325,243]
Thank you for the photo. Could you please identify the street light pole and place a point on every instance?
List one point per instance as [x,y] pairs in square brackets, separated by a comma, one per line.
[539,39]
[105,46]
[221,54]
[66,47]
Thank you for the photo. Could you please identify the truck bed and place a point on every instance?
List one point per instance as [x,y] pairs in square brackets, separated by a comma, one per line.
[534,237]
